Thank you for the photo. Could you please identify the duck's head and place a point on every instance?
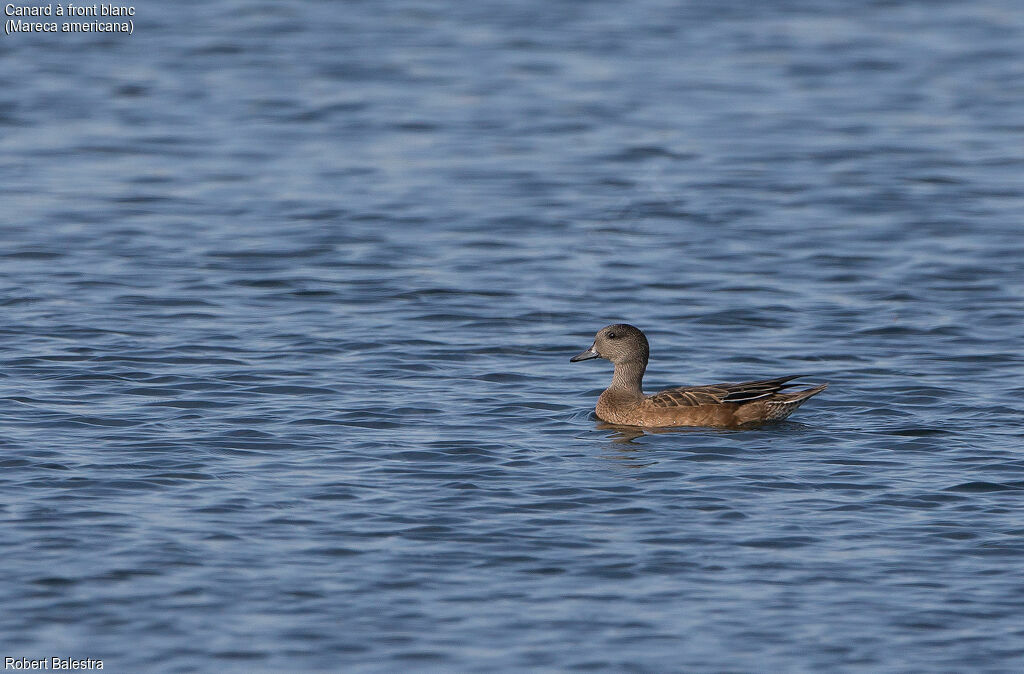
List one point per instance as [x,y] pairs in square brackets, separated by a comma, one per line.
[619,343]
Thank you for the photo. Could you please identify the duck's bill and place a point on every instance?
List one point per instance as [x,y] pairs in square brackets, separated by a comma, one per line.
[586,355]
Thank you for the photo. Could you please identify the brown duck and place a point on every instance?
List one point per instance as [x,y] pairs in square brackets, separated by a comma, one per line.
[624,402]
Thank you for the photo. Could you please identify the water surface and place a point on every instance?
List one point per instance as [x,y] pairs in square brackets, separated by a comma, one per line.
[290,292]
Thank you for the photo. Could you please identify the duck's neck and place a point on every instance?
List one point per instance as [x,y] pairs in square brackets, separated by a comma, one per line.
[628,378]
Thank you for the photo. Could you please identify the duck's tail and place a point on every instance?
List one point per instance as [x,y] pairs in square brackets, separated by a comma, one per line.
[781,405]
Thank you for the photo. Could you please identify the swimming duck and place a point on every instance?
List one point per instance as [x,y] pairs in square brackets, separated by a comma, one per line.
[744,404]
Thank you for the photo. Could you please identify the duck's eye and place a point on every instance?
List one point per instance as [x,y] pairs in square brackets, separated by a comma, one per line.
[611,335]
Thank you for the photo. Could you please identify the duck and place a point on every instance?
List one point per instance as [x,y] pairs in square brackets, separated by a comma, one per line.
[743,404]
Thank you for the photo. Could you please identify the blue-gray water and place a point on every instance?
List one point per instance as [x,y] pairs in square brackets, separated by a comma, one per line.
[289,292]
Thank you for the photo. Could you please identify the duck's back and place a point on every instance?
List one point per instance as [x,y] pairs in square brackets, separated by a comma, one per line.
[729,404]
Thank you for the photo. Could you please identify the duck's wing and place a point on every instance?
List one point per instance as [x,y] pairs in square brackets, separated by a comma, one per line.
[718,394]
